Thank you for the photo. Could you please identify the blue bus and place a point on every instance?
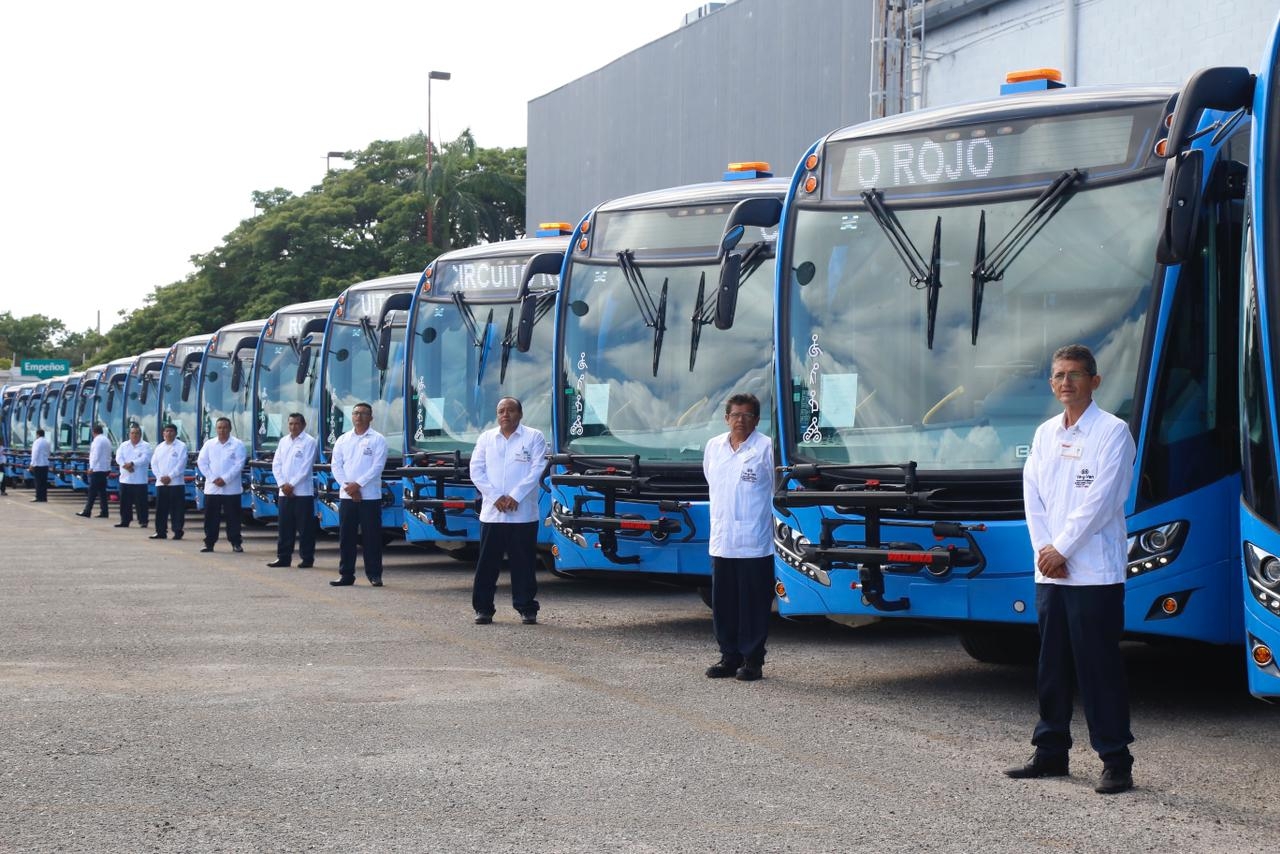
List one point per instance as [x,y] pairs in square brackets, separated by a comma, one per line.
[464,354]
[63,433]
[19,441]
[180,399]
[286,379]
[642,381]
[85,416]
[1235,90]
[225,389]
[929,265]
[363,361]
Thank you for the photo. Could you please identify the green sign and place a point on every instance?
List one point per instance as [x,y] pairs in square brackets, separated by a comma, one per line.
[45,368]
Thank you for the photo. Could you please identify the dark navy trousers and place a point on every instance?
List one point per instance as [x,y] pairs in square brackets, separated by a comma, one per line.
[97,489]
[1080,630]
[217,507]
[171,508]
[741,602]
[41,476]
[366,516]
[519,542]
[133,497]
[297,521]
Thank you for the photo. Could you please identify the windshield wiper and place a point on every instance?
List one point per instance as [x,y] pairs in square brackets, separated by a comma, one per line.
[654,315]
[370,334]
[926,276]
[479,338]
[992,267]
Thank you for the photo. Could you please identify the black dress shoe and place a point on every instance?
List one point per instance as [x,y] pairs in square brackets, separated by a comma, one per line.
[342,582]
[377,583]
[158,537]
[177,535]
[483,619]
[1114,781]
[306,564]
[724,668]
[749,672]
[237,548]
[122,524]
[207,549]
[1040,766]
[85,515]
[529,619]
[104,515]
[277,563]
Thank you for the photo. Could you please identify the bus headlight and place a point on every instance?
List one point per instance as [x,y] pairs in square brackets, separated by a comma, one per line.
[1263,572]
[1156,547]
[790,545]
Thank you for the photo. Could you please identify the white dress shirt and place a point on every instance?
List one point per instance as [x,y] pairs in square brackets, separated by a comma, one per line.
[360,458]
[139,455]
[509,466]
[170,460]
[740,485]
[224,460]
[1074,486]
[100,453]
[40,451]
[292,463]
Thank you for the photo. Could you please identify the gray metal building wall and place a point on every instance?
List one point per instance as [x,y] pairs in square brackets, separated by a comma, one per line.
[756,80]
[1116,41]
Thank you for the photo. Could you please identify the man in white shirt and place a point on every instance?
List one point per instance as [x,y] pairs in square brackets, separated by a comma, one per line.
[738,466]
[291,465]
[506,465]
[169,463]
[221,461]
[1075,484]
[134,459]
[99,468]
[40,450]
[358,459]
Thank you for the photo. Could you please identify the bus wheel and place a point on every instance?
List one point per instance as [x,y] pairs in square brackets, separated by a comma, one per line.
[1016,645]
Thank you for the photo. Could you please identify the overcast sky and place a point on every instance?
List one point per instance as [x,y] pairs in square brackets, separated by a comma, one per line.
[134,131]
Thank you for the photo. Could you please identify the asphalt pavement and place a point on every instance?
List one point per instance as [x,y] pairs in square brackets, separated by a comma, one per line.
[153,698]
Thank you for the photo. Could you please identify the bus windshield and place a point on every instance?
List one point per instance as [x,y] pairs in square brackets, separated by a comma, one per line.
[111,406]
[352,377]
[867,389]
[217,398]
[143,406]
[280,393]
[458,380]
[179,404]
[616,402]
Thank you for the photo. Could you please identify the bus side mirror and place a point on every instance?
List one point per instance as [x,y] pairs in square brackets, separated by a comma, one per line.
[304,363]
[142,392]
[395,302]
[187,378]
[1180,217]
[237,373]
[524,331]
[727,295]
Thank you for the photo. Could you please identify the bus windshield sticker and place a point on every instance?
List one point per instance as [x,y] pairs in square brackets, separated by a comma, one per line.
[839,400]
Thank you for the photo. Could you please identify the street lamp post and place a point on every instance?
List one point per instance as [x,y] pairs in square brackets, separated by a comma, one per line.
[426,184]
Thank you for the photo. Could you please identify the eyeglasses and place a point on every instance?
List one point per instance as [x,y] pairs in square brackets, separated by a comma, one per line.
[741,416]
[1075,376]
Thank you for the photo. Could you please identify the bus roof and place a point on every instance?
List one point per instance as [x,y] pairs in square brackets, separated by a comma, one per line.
[711,192]
[317,306]
[514,248]
[1047,103]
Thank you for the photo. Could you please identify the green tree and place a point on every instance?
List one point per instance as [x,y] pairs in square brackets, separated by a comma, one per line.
[32,337]
[357,224]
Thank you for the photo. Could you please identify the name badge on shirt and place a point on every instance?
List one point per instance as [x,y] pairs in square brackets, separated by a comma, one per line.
[749,476]
[368,452]
[298,454]
[1070,451]
[523,455]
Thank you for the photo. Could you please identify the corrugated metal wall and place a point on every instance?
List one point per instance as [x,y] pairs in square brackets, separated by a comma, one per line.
[756,80]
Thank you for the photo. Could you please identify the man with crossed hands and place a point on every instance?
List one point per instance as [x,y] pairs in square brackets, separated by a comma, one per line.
[296,502]
[359,456]
[169,462]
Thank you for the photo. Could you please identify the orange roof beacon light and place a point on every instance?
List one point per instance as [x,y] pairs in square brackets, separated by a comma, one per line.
[553,229]
[1032,80]
[746,170]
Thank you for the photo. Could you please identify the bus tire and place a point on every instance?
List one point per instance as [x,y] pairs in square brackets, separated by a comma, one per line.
[1013,645]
